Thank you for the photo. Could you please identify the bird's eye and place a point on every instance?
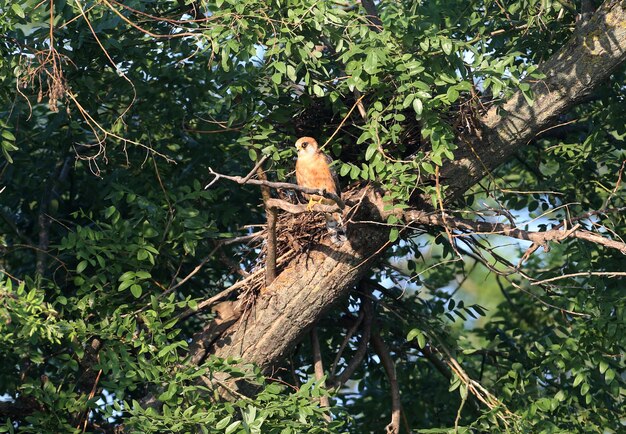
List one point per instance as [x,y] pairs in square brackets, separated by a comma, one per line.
[304,145]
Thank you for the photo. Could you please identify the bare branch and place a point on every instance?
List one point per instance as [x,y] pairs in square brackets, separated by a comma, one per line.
[539,238]
[272,216]
[608,274]
[385,358]
[349,334]
[366,307]
[255,169]
[278,185]
[293,208]
[319,368]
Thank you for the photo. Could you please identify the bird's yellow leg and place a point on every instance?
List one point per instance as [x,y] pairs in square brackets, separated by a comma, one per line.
[312,202]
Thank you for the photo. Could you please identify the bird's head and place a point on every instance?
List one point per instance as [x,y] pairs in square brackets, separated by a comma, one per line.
[306,146]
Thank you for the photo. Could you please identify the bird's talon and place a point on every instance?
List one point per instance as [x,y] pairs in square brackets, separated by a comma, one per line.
[312,202]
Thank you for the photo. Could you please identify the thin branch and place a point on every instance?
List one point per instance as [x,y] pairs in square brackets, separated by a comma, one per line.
[319,368]
[272,217]
[385,358]
[355,362]
[358,104]
[583,273]
[475,388]
[540,238]
[278,185]
[534,247]
[346,339]
[293,208]
[255,169]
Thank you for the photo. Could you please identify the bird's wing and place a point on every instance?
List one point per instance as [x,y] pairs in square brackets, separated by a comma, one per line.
[333,173]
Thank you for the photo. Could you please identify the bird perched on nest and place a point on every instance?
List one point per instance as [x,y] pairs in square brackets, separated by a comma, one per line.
[313,171]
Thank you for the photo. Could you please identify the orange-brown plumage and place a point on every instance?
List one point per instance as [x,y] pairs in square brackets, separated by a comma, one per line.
[313,171]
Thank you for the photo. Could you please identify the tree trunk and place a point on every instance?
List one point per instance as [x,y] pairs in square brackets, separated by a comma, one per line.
[571,74]
[315,281]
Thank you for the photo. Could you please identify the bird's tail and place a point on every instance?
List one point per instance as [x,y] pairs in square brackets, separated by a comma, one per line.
[336,228]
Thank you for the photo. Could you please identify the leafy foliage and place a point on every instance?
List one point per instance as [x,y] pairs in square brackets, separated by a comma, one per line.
[110,114]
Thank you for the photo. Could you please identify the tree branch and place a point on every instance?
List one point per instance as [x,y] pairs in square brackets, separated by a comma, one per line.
[272,216]
[385,358]
[319,368]
[586,61]
[278,185]
[293,208]
[312,283]
[539,238]
[355,362]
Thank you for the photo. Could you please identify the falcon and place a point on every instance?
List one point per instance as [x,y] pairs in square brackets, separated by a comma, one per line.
[313,171]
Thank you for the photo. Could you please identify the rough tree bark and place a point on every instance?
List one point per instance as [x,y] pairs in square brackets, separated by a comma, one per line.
[571,74]
[314,281]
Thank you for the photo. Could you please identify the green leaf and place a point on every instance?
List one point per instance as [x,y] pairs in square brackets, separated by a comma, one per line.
[371,149]
[413,334]
[109,211]
[125,284]
[452,94]
[291,73]
[81,266]
[528,96]
[280,67]
[127,275]
[463,391]
[355,172]
[579,378]
[446,46]
[232,427]
[418,106]
[8,134]
[318,91]
[603,366]
[142,254]
[222,423]
[252,154]
[421,338]
[371,62]
[136,290]
[143,274]
[18,10]
[544,404]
